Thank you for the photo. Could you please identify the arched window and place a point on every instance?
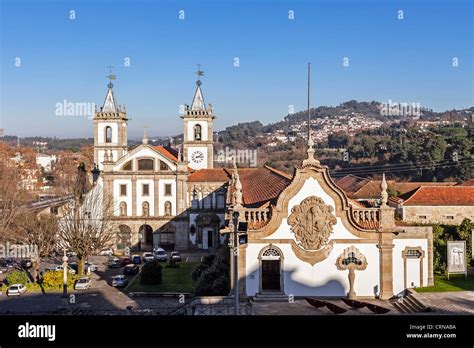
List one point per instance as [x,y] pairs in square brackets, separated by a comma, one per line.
[145,164]
[220,201]
[197,132]
[146,209]
[108,134]
[123,209]
[207,200]
[167,208]
[271,254]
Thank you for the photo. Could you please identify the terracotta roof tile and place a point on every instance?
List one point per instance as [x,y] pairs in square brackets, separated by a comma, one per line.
[440,195]
[260,186]
[166,152]
[209,175]
[469,182]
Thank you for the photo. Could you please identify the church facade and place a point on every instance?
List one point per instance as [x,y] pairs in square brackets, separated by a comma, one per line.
[317,242]
[162,196]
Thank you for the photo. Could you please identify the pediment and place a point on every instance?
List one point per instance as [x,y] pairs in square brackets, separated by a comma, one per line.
[144,151]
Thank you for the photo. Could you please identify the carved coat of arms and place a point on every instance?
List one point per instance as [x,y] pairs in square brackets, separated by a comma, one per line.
[312,222]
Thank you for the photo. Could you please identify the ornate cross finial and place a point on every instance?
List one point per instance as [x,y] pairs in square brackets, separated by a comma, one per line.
[110,76]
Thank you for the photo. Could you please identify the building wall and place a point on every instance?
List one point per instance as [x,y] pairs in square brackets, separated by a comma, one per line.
[300,278]
[438,214]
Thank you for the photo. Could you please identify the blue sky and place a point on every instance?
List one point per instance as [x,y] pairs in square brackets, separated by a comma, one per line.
[408,60]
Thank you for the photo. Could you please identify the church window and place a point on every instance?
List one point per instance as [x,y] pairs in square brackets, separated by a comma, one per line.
[145,190]
[207,201]
[164,166]
[145,164]
[123,190]
[167,189]
[413,254]
[127,166]
[108,134]
[197,132]
[271,253]
[351,258]
[220,201]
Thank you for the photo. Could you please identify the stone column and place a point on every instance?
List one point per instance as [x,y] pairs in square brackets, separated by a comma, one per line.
[155,196]
[134,196]
[386,265]
[242,260]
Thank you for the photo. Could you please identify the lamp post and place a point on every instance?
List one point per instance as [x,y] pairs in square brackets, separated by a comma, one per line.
[236,271]
[65,274]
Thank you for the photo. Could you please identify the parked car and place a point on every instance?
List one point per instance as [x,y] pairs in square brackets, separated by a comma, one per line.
[70,269]
[83,283]
[16,290]
[161,255]
[175,256]
[92,267]
[119,281]
[114,263]
[106,252]
[125,261]
[131,269]
[136,259]
[147,257]
[26,263]
[71,254]
[3,269]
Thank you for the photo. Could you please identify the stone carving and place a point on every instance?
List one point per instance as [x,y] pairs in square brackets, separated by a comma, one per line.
[351,259]
[312,222]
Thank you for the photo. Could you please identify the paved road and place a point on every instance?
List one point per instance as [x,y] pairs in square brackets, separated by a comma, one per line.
[101,296]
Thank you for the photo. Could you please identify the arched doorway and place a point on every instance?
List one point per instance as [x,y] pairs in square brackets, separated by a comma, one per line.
[271,269]
[146,237]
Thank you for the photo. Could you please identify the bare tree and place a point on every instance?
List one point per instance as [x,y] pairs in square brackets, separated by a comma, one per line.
[39,230]
[85,225]
[12,197]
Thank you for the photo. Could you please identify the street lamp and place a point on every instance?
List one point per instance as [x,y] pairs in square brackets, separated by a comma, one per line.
[236,272]
[65,274]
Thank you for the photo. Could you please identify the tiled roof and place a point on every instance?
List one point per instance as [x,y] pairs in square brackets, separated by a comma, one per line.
[370,189]
[260,186]
[469,182]
[210,175]
[167,152]
[351,183]
[440,195]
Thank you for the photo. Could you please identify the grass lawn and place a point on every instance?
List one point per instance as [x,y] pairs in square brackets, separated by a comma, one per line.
[456,282]
[174,280]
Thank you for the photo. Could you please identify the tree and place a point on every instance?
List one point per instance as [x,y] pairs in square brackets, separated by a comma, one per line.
[38,230]
[12,195]
[85,226]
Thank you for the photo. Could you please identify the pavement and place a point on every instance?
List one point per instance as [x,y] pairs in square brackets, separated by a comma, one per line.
[101,297]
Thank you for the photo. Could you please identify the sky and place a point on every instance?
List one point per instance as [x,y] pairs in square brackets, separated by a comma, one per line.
[50,55]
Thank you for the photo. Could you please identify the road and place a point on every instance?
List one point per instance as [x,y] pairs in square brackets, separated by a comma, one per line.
[100,297]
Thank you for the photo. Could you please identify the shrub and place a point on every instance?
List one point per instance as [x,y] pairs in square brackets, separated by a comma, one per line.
[54,280]
[205,264]
[213,277]
[17,277]
[151,273]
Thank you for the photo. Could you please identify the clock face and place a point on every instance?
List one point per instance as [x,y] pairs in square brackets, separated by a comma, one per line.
[197,156]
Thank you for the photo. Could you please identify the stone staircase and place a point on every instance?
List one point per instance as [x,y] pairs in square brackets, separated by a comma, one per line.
[409,303]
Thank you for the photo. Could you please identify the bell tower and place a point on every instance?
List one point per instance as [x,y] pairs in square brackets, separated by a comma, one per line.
[110,129]
[198,131]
